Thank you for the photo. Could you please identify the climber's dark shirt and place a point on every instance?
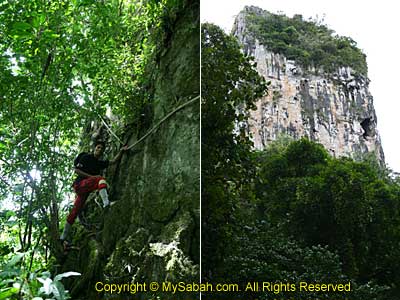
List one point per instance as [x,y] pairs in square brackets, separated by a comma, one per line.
[89,164]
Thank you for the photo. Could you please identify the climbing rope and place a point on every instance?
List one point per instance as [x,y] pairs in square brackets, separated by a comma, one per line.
[109,129]
[155,127]
[163,120]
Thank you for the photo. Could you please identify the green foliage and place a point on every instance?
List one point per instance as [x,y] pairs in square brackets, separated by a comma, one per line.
[259,252]
[17,283]
[230,85]
[16,277]
[54,287]
[316,219]
[335,202]
[62,64]
[310,43]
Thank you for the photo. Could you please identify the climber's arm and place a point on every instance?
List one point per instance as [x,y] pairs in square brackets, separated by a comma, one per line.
[119,155]
[83,174]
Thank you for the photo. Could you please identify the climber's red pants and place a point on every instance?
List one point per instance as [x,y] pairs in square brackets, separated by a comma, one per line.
[82,189]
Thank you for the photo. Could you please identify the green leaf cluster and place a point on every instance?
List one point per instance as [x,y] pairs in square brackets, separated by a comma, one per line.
[341,203]
[308,42]
[305,216]
[17,283]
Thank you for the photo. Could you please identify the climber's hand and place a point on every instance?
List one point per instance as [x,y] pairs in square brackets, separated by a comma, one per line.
[119,155]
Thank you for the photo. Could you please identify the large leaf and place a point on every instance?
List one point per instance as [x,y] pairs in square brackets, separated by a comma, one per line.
[9,273]
[66,274]
[47,285]
[21,26]
[15,259]
[7,292]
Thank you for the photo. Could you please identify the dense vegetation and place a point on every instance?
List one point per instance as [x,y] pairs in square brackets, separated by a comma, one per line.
[62,65]
[228,80]
[290,213]
[310,43]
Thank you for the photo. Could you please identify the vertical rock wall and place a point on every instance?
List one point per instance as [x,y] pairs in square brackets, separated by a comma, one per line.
[335,110]
[151,233]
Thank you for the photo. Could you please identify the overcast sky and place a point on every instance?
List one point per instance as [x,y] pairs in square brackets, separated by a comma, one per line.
[373,25]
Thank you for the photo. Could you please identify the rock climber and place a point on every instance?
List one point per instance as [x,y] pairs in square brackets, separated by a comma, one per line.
[88,167]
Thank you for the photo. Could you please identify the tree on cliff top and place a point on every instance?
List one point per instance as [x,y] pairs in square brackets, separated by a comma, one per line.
[308,42]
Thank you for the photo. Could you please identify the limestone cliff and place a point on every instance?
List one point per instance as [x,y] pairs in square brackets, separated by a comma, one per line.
[151,233]
[333,108]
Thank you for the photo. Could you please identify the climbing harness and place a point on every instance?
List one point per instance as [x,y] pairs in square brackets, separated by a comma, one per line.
[155,126]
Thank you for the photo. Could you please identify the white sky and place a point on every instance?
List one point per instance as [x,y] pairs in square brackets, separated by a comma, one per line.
[374,25]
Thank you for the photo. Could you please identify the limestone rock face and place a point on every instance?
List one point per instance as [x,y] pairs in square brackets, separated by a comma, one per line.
[151,233]
[335,110]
